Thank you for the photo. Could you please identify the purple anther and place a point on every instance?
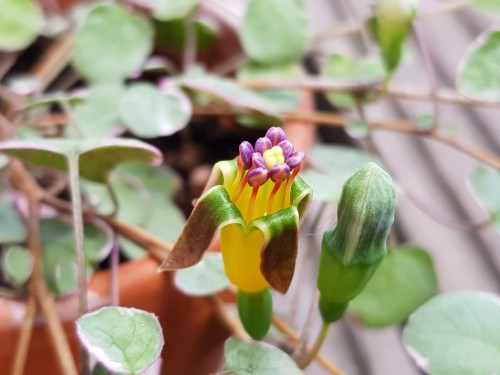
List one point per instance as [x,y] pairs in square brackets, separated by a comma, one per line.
[258,161]
[263,144]
[246,151]
[276,135]
[257,177]
[295,159]
[279,172]
[287,148]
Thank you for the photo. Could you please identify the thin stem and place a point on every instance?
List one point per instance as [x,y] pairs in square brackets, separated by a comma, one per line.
[361,29]
[251,205]
[76,202]
[306,331]
[24,337]
[294,336]
[190,45]
[115,263]
[317,346]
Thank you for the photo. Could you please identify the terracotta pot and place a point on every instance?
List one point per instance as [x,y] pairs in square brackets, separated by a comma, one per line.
[194,336]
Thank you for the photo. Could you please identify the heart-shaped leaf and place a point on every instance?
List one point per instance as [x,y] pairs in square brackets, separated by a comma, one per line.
[12,229]
[112,44]
[149,112]
[257,358]
[17,264]
[204,278]
[478,75]
[97,158]
[275,31]
[124,340]
[330,167]
[456,334]
[485,182]
[20,22]
[59,256]
[403,282]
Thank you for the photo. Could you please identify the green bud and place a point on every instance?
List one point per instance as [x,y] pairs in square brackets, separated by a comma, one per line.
[392,24]
[353,249]
[255,310]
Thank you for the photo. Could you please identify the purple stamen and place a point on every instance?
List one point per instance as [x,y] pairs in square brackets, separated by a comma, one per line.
[295,159]
[263,144]
[246,151]
[258,161]
[279,173]
[257,177]
[287,148]
[276,135]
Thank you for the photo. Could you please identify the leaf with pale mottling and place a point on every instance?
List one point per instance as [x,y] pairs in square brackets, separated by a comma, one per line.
[17,264]
[124,340]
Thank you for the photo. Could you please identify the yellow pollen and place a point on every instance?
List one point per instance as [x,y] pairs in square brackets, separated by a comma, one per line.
[273,156]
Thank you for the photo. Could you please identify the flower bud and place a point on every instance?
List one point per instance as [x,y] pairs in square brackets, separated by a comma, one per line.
[353,249]
[287,148]
[246,151]
[257,177]
[276,135]
[279,172]
[295,159]
[262,145]
[396,11]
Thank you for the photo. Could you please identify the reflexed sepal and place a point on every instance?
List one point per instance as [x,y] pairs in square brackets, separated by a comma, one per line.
[354,248]
[212,211]
[255,310]
[280,247]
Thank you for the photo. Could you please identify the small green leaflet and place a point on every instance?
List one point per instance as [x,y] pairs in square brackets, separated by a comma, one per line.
[485,182]
[17,264]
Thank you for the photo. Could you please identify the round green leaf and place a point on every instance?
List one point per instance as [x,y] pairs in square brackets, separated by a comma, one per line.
[257,358]
[485,182]
[20,21]
[59,254]
[403,282]
[478,75]
[149,112]
[456,334]
[332,166]
[124,340]
[97,117]
[112,44]
[166,10]
[275,31]
[12,228]
[17,264]
[204,278]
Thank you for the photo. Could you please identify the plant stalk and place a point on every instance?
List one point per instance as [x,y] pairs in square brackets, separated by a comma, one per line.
[76,202]
[317,346]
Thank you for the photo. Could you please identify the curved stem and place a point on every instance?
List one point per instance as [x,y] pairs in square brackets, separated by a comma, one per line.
[24,337]
[317,346]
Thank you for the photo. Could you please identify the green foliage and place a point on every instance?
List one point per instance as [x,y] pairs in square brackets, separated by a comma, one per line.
[20,22]
[59,256]
[488,7]
[456,334]
[204,278]
[112,44]
[479,73]
[404,281]
[486,184]
[347,70]
[166,10]
[149,112]
[275,31]
[12,229]
[124,340]
[17,265]
[255,310]
[257,358]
